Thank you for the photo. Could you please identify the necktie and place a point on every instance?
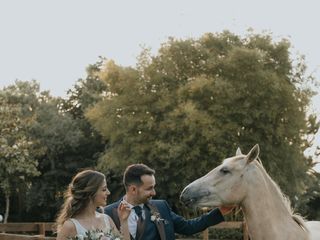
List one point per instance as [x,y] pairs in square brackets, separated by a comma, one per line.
[138,211]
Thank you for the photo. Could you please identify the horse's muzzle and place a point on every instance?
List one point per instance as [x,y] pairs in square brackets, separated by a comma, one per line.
[189,197]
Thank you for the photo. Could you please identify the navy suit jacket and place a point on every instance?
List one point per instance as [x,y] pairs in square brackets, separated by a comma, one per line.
[170,223]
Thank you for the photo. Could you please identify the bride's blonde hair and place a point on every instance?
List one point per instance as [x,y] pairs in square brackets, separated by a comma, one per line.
[80,191]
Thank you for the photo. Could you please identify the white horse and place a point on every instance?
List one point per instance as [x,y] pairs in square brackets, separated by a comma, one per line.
[242,180]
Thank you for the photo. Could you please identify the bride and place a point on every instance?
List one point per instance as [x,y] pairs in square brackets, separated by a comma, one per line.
[78,216]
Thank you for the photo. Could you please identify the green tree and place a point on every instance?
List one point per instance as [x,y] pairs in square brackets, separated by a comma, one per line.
[60,137]
[70,141]
[17,162]
[86,92]
[185,109]
[56,138]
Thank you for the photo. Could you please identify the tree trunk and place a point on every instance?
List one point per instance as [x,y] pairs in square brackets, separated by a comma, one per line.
[6,214]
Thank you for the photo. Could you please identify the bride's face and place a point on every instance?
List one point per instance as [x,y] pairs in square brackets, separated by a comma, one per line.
[102,195]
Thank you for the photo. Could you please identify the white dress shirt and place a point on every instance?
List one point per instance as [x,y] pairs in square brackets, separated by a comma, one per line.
[133,219]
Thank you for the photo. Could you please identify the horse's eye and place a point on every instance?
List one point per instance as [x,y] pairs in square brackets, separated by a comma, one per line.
[224,170]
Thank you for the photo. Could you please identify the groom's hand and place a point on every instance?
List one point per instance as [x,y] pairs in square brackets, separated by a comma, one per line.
[124,211]
[226,209]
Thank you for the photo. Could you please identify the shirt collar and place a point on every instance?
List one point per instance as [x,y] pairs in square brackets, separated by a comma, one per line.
[131,206]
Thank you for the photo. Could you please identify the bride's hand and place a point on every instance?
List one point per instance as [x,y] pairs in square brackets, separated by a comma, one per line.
[123,211]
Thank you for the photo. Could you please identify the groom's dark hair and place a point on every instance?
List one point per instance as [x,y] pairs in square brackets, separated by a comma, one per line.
[133,173]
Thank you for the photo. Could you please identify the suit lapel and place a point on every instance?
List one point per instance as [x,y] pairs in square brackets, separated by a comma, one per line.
[159,224]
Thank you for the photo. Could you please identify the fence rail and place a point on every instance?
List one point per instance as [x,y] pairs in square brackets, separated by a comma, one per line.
[23,231]
[228,225]
[19,231]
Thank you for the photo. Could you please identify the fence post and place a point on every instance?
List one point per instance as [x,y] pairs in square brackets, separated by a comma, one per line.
[245,231]
[42,230]
[206,234]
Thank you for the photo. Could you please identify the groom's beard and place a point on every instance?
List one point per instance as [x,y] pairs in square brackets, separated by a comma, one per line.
[144,199]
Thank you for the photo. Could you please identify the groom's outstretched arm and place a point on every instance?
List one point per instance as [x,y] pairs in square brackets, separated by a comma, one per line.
[195,225]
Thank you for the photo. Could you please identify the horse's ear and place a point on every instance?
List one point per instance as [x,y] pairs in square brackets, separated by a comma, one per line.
[253,154]
[238,152]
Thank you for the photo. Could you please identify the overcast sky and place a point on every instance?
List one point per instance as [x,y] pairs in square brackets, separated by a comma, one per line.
[52,41]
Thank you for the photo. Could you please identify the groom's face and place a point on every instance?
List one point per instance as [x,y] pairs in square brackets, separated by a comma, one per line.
[147,190]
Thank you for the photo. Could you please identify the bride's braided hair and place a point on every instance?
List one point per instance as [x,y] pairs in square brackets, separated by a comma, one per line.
[80,191]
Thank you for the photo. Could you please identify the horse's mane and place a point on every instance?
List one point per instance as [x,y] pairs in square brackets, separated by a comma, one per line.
[296,217]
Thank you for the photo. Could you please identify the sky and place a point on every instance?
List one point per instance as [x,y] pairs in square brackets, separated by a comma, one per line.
[53,41]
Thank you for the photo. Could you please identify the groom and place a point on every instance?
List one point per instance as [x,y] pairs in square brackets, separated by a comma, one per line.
[153,219]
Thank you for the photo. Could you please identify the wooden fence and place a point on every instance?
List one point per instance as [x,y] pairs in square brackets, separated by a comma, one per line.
[23,231]
[229,225]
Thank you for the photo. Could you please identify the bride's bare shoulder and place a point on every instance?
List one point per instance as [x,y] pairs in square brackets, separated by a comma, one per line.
[68,224]
[68,229]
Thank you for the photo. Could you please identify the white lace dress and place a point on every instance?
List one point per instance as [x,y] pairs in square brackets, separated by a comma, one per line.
[82,231]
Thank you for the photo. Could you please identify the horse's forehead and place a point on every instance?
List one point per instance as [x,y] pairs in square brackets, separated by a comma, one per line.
[234,162]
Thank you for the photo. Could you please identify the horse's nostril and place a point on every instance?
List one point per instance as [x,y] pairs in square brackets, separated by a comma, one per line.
[189,202]
[186,198]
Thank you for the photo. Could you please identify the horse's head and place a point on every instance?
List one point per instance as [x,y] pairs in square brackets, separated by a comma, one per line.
[224,185]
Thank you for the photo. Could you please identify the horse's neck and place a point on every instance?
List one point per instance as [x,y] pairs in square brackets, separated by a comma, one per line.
[263,220]
[267,215]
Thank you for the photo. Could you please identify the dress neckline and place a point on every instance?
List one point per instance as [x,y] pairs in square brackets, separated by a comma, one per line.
[106,222]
